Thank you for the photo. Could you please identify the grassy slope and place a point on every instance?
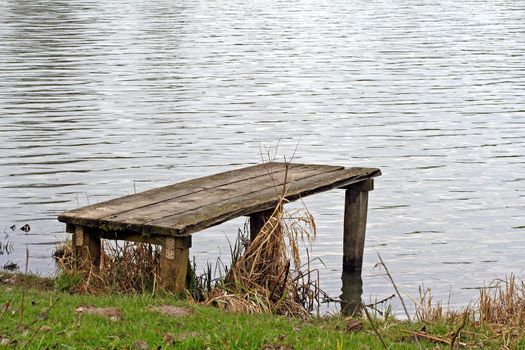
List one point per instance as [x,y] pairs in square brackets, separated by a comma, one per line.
[205,328]
[22,326]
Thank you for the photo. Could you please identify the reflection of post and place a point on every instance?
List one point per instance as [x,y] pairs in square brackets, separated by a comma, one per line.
[352,290]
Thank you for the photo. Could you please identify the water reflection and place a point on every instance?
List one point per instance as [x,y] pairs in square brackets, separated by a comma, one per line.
[351,292]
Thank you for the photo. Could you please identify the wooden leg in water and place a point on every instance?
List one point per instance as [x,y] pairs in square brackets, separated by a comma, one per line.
[356,206]
[352,290]
[257,221]
[174,263]
[86,249]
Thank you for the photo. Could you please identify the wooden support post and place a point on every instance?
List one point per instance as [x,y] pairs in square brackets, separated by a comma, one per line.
[86,249]
[174,263]
[257,221]
[356,206]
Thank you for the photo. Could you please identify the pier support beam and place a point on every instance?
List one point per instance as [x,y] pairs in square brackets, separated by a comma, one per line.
[356,206]
[174,263]
[257,221]
[86,249]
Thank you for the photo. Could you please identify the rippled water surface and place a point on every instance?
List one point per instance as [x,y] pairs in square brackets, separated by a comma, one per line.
[99,99]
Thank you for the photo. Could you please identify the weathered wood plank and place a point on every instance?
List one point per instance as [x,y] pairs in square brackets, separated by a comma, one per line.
[219,212]
[88,215]
[134,220]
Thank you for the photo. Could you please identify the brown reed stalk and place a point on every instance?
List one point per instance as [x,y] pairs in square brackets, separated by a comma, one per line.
[374,327]
[267,276]
[395,287]
[130,267]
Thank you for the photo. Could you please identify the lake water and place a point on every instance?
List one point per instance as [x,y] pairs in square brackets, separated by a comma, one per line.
[100,99]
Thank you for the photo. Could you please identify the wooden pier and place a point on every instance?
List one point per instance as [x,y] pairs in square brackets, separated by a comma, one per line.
[169,215]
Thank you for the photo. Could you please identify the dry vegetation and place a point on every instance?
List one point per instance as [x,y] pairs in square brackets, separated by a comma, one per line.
[124,267]
[495,320]
[266,275]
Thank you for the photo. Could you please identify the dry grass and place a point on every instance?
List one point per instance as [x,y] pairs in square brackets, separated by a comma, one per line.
[503,303]
[124,267]
[266,275]
[495,320]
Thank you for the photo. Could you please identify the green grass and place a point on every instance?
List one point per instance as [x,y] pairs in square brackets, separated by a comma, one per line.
[42,316]
[46,318]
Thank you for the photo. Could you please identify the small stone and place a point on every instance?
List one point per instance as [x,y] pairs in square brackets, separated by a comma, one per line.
[276,347]
[141,345]
[168,338]
[187,335]
[112,313]
[354,325]
[171,311]
[45,329]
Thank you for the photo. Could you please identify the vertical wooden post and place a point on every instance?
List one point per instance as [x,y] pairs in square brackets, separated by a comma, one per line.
[86,249]
[356,206]
[257,221]
[174,263]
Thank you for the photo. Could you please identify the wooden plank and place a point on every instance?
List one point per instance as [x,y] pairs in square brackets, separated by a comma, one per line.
[130,236]
[216,213]
[88,215]
[134,220]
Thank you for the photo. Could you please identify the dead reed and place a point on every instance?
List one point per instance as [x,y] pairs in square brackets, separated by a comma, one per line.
[124,267]
[503,303]
[266,275]
[495,320]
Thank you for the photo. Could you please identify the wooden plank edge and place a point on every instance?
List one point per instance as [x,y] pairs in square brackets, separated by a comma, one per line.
[188,230]
[110,225]
[75,216]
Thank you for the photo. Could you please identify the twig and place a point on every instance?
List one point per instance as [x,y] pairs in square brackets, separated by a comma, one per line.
[456,332]
[430,337]
[433,338]
[43,314]
[373,326]
[24,289]
[399,295]
[395,288]
[5,307]
[380,301]
[30,325]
